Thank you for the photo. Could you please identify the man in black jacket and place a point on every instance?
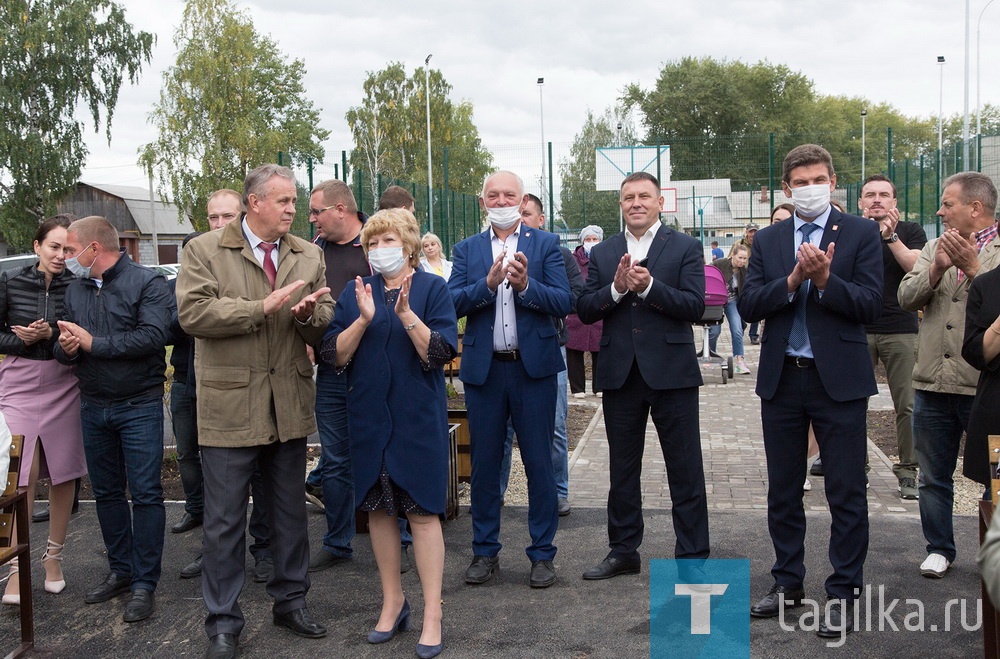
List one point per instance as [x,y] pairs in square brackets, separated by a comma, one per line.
[118,322]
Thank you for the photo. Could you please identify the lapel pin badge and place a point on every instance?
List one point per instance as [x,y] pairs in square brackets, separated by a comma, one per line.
[836,226]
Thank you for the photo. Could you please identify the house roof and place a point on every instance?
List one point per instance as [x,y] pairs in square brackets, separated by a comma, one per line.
[165,214]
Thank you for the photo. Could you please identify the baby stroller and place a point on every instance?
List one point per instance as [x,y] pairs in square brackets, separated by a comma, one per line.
[716,297]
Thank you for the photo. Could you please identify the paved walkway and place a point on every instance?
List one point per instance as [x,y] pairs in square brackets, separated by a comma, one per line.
[732,449]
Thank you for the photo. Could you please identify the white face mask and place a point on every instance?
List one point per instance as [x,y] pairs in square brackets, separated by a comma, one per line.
[503,217]
[587,247]
[387,261]
[811,200]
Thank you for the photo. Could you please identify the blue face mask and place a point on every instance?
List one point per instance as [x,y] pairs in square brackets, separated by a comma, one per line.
[78,269]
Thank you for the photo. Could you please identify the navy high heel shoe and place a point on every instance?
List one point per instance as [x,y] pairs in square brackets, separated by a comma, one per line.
[402,624]
[429,651]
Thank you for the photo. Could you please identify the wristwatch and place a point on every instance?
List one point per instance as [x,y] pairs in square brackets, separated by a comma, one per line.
[894,238]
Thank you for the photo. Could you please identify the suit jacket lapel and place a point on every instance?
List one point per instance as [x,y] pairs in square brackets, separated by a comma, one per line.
[786,244]
[486,249]
[656,247]
[832,230]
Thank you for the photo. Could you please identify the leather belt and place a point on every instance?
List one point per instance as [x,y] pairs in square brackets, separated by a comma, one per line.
[800,362]
[507,355]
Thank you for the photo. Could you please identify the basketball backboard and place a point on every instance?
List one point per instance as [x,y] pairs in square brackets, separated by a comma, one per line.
[614,163]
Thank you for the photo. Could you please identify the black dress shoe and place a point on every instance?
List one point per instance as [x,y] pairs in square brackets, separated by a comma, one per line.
[140,606]
[404,559]
[836,615]
[481,569]
[112,586]
[192,569]
[222,646]
[612,567]
[770,605]
[300,623]
[188,522]
[324,560]
[263,569]
[564,508]
[40,515]
[543,574]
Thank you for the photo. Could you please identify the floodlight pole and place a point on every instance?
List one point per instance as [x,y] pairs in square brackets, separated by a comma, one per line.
[430,185]
[965,120]
[864,113]
[940,61]
[979,23]
[541,119]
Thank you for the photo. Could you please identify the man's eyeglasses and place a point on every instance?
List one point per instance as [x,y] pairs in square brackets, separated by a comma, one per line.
[314,212]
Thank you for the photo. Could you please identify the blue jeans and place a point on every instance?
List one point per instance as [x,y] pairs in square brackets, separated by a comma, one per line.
[335,461]
[185,423]
[938,423]
[735,330]
[124,447]
[560,445]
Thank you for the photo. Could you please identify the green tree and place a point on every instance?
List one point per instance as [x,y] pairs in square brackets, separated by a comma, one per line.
[716,115]
[580,202]
[390,133]
[56,55]
[230,103]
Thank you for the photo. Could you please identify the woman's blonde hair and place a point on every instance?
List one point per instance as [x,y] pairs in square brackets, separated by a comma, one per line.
[400,221]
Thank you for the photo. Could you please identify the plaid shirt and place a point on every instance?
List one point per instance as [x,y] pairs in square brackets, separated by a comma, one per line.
[983,238]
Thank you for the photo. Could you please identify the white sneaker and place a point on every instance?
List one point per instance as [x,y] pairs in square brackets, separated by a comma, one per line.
[807,486]
[934,566]
[580,395]
[741,367]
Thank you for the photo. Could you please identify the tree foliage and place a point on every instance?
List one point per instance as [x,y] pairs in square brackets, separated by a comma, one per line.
[230,103]
[718,117]
[581,203]
[390,132]
[56,55]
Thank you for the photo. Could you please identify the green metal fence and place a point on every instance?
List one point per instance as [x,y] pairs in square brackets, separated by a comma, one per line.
[736,165]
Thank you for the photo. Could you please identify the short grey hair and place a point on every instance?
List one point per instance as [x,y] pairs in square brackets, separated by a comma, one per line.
[975,187]
[497,173]
[256,181]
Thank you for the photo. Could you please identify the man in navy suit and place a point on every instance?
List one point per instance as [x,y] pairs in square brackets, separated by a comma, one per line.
[648,285]
[510,282]
[817,281]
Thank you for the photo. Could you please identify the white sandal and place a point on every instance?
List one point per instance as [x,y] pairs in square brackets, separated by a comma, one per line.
[12,600]
[54,587]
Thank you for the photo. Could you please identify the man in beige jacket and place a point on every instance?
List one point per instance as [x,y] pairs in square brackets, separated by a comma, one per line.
[254,297]
[945,384]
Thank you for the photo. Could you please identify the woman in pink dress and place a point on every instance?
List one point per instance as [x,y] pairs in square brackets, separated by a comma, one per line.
[39,396]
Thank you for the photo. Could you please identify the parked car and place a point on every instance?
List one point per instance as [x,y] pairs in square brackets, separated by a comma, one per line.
[168,270]
[15,262]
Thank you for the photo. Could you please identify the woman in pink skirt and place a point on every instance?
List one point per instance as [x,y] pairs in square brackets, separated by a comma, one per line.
[38,395]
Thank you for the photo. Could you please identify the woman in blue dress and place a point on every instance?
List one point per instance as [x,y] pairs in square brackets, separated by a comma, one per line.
[393,332]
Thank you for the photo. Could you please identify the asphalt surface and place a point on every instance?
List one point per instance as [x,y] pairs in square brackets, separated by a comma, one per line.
[505,618]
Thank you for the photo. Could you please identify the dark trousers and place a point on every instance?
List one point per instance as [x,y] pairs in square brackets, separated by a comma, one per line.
[576,371]
[227,482]
[675,416]
[529,403]
[841,433]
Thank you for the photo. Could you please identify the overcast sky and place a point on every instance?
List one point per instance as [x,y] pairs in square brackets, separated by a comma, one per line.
[493,52]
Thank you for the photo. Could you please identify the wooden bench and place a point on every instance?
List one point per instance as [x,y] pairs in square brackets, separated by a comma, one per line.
[14,510]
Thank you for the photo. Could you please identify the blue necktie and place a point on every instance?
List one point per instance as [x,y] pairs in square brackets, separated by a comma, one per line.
[797,337]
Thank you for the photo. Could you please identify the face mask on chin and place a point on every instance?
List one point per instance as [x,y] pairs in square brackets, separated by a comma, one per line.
[387,261]
[811,200]
[503,217]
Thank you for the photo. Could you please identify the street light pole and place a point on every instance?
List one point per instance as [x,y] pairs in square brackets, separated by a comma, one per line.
[979,23]
[965,120]
[430,185]
[940,61]
[541,119]
[864,113]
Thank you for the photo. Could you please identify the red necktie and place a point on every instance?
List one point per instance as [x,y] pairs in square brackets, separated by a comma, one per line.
[269,269]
